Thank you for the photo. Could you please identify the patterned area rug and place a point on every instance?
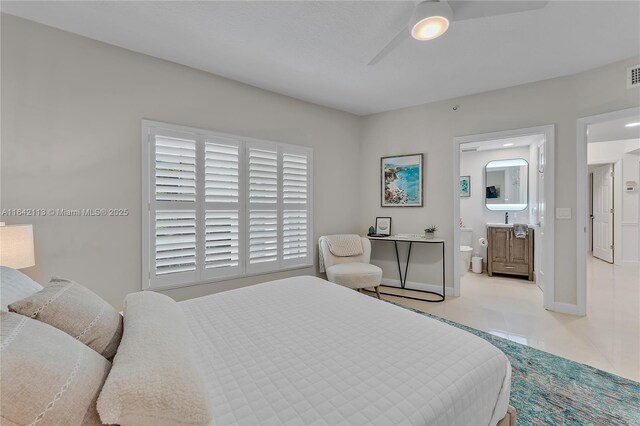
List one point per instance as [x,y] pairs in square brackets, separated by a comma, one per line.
[549,390]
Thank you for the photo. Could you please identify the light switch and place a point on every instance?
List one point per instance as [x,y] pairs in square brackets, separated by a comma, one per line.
[563,213]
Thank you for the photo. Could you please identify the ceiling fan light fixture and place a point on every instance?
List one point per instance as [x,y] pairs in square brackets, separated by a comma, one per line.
[430,28]
[430,20]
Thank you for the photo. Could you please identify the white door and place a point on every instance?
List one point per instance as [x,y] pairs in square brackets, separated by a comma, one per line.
[539,252]
[603,213]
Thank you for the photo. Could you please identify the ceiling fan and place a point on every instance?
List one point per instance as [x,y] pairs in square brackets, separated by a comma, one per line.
[432,18]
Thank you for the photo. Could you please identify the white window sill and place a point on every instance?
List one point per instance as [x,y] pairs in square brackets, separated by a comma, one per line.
[224,278]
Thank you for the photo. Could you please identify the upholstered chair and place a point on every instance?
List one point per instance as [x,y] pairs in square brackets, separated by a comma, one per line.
[351,271]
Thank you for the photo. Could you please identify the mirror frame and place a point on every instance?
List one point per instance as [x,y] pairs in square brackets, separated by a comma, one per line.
[503,209]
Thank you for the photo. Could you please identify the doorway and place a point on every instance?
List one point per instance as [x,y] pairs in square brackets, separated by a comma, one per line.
[608,213]
[540,150]
[602,211]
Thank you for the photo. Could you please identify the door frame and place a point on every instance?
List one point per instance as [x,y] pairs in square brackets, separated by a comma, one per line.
[582,188]
[549,132]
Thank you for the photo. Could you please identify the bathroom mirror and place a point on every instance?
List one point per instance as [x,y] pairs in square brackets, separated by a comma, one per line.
[506,185]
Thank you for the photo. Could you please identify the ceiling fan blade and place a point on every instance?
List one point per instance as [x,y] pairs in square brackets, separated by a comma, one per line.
[403,34]
[465,9]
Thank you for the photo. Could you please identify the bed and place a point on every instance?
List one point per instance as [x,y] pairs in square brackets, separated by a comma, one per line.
[306,351]
[297,351]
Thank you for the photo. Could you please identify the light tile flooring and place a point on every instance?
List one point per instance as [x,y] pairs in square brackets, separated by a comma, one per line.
[607,338]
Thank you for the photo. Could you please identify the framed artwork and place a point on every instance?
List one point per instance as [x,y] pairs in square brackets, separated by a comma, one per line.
[383,226]
[401,181]
[465,186]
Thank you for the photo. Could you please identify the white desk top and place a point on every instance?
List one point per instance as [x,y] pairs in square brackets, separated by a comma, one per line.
[414,238]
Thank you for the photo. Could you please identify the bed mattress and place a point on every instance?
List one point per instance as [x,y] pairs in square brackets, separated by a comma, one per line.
[305,351]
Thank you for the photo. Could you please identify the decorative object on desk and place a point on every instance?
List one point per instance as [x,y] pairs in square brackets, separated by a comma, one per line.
[401,181]
[16,246]
[383,226]
[372,231]
[430,231]
[465,186]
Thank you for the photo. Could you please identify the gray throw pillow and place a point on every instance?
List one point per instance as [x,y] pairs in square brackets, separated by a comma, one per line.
[77,311]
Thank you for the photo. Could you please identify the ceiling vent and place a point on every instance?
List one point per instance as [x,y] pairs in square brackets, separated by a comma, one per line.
[633,76]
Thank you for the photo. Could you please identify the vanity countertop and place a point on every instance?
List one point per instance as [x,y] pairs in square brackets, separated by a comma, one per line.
[505,225]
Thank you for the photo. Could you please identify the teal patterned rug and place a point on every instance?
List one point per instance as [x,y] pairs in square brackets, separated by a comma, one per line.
[549,390]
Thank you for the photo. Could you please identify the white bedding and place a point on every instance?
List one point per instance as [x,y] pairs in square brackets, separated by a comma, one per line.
[305,351]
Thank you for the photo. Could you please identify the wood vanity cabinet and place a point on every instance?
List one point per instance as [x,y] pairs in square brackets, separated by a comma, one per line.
[507,254]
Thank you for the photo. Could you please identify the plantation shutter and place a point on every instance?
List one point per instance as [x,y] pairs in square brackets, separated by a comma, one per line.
[222,207]
[219,207]
[262,206]
[172,207]
[296,217]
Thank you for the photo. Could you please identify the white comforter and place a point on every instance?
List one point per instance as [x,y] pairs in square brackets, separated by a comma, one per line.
[305,351]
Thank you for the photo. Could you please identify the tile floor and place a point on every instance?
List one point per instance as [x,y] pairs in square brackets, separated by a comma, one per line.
[607,338]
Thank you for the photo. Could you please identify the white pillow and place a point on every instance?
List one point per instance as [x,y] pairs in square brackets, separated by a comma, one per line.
[14,286]
[154,380]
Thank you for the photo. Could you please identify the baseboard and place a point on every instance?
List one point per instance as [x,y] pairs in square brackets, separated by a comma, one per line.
[567,308]
[448,291]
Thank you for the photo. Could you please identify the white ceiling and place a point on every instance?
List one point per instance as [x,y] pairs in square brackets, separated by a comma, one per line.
[613,130]
[318,51]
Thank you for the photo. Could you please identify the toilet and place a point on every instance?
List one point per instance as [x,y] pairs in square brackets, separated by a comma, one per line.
[466,236]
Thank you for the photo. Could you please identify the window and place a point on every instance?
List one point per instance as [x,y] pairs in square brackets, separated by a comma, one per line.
[220,206]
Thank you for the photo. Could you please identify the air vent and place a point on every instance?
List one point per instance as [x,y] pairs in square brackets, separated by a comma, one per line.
[633,76]
[469,149]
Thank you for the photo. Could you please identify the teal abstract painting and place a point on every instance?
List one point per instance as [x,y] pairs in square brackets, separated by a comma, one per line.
[402,181]
[465,186]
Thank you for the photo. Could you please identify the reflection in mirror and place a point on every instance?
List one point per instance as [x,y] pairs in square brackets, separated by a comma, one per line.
[507,185]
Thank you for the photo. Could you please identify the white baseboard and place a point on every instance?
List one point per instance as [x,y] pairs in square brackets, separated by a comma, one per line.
[410,285]
[567,308]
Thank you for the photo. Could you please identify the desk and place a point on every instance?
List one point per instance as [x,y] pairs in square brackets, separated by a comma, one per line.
[403,279]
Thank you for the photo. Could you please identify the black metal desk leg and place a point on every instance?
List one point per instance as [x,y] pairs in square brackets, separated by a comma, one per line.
[406,268]
[399,268]
[443,273]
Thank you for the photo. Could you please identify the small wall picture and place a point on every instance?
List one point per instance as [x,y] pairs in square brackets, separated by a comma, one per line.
[465,186]
[401,181]
[383,226]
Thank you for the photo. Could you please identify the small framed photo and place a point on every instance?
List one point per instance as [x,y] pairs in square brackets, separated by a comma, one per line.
[465,186]
[383,226]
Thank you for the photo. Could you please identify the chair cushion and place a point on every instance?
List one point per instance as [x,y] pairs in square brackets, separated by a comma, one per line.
[355,275]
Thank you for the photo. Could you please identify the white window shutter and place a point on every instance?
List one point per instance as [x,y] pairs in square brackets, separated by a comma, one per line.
[262,206]
[222,204]
[222,163]
[175,169]
[296,207]
[218,207]
[172,208]
[175,241]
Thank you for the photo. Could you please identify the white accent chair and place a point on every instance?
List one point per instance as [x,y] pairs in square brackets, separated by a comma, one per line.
[352,271]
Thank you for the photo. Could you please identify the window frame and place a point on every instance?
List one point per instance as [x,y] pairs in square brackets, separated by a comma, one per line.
[202,275]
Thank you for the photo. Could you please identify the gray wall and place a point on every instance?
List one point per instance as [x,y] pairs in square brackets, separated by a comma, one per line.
[431,128]
[71,113]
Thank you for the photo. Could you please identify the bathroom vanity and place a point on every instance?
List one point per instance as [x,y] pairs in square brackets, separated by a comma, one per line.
[507,254]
